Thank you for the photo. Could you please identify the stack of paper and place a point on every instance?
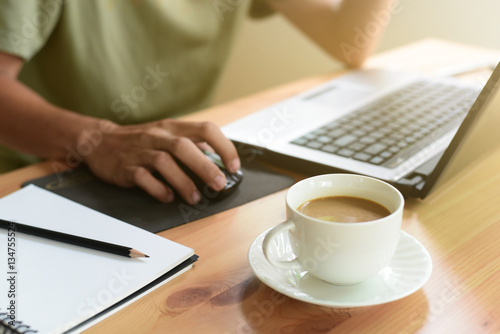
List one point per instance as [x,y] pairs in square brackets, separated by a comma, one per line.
[57,286]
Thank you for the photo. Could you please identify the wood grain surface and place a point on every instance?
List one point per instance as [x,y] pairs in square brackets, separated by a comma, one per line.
[459,224]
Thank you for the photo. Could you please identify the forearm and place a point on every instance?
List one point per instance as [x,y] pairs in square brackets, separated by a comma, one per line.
[349,30]
[122,155]
[30,124]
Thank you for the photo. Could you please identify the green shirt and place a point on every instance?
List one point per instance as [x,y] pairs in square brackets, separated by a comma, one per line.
[129,61]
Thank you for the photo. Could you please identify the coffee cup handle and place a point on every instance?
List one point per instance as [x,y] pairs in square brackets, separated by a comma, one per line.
[266,244]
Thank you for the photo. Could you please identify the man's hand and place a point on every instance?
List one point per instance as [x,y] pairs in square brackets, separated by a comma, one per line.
[128,155]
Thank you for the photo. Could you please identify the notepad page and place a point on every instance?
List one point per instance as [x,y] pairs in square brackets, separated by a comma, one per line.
[60,285]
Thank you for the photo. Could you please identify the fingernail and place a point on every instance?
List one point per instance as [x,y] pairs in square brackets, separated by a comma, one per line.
[234,165]
[195,197]
[219,182]
[170,197]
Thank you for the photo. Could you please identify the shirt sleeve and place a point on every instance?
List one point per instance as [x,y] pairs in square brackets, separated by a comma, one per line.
[26,25]
[260,9]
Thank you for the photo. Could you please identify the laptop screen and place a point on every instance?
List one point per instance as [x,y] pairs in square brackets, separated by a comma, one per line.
[478,134]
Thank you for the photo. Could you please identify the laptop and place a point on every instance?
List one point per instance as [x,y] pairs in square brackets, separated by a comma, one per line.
[403,128]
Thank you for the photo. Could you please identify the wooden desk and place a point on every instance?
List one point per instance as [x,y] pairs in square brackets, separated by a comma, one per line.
[459,224]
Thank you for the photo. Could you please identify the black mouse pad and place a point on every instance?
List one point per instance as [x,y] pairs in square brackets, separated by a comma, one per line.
[134,206]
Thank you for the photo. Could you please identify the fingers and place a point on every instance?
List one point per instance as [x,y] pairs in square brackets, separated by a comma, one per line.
[205,147]
[164,163]
[209,133]
[176,178]
[190,155]
[146,181]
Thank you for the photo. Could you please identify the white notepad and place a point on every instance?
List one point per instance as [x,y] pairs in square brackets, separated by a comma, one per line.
[60,286]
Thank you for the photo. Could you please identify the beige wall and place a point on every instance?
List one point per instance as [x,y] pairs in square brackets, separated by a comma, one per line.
[271,51]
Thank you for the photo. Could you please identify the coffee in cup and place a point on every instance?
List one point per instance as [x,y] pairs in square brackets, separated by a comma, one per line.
[336,250]
[343,209]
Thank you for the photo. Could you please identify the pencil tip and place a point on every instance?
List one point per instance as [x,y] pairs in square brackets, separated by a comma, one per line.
[135,253]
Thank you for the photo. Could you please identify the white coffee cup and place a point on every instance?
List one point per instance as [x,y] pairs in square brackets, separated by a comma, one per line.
[339,253]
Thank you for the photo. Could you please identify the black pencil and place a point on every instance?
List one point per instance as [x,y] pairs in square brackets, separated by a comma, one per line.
[72,239]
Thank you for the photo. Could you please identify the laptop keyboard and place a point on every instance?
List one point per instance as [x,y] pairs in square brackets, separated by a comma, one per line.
[395,127]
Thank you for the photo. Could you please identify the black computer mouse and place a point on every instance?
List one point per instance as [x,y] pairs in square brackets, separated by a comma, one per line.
[232,180]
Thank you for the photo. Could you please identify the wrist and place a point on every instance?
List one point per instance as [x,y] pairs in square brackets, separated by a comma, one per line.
[89,138]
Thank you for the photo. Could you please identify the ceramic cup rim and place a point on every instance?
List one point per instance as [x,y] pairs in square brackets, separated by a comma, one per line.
[343,175]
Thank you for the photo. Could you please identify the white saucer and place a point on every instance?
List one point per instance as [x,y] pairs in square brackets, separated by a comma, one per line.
[410,268]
